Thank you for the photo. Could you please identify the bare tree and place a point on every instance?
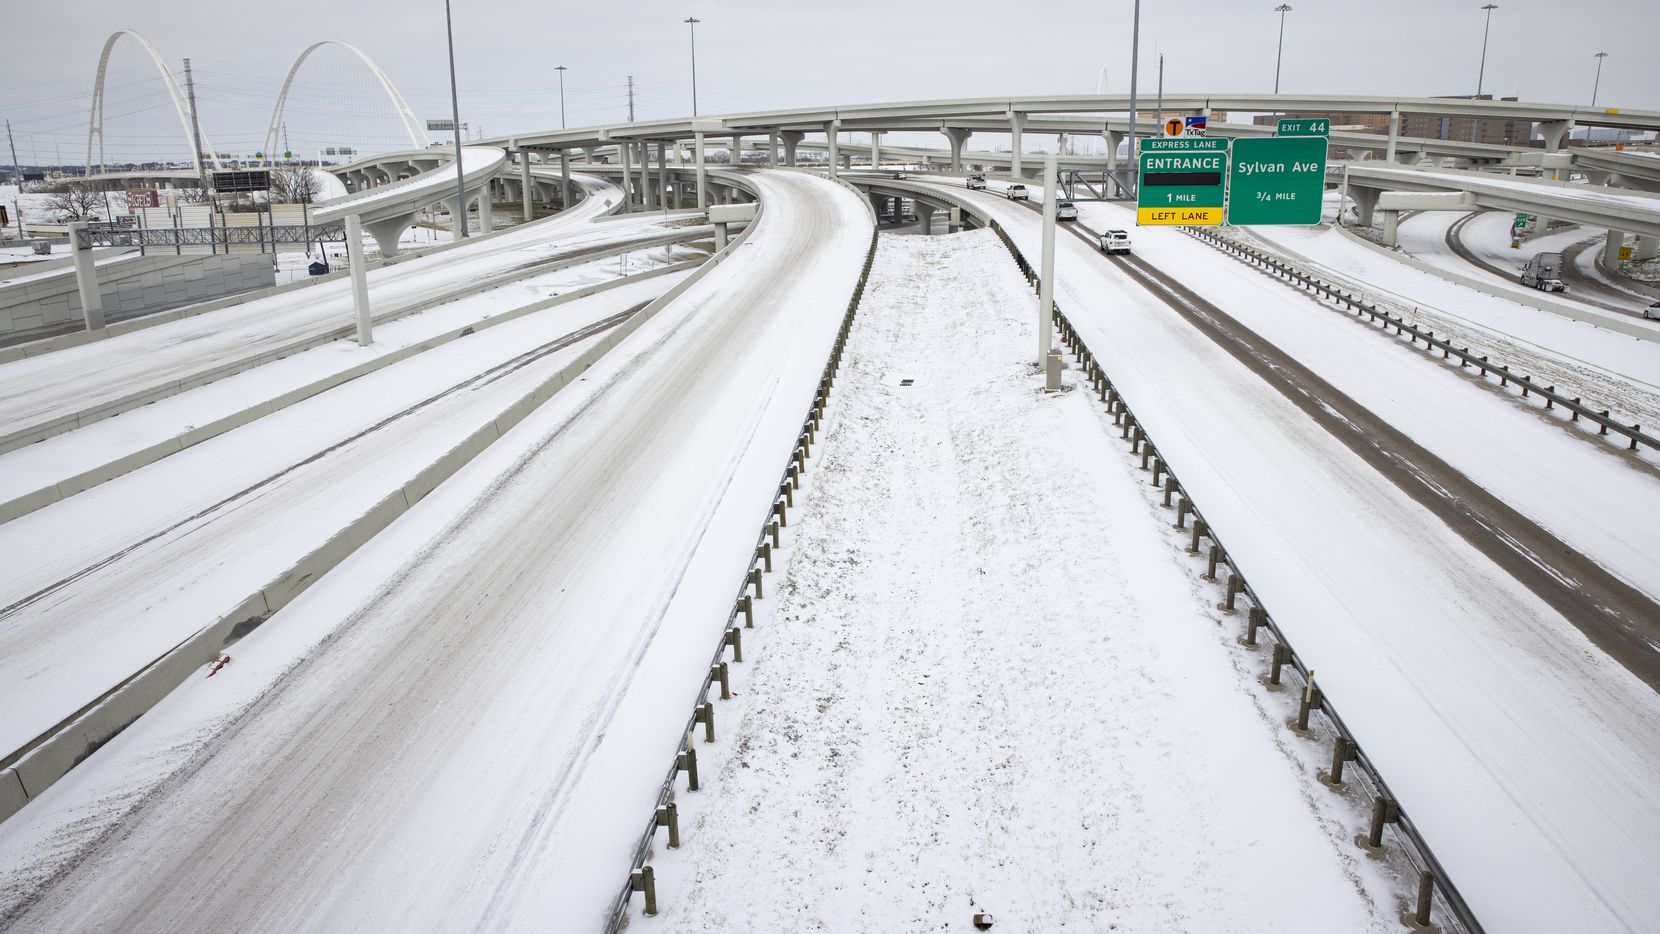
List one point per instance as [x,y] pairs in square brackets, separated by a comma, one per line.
[193,195]
[296,184]
[77,201]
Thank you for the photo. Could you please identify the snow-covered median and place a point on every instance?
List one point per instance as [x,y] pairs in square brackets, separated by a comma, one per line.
[989,683]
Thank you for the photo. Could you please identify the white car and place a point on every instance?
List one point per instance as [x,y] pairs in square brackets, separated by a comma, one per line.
[1017,192]
[976,182]
[1652,312]
[1115,241]
[1066,211]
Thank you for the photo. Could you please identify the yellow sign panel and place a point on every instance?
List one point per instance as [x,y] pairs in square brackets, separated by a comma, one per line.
[1625,253]
[1176,216]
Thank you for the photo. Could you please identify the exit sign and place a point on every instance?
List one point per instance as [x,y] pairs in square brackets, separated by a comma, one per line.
[1319,126]
[1277,180]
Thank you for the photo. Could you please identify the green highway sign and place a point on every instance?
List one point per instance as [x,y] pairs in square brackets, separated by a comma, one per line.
[1182,181]
[1319,126]
[1277,180]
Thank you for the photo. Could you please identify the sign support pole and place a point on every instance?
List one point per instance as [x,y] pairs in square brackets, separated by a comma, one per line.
[1046,273]
[360,279]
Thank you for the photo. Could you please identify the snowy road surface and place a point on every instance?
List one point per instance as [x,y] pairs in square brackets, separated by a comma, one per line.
[1573,482]
[105,582]
[1528,758]
[476,745]
[40,391]
[990,685]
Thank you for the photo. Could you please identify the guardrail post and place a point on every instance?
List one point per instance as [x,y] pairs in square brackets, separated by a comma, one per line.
[1282,654]
[688,764]
[1210,569]
[734,638]
[669,816]
[1198,530]
[1182,506]
[749,611]
[706,716]
[1426,893]
[764,554]
[1233,593]
[773,528]
[1253,620]
[755,578]
[719,674]
[1384,811]
[1341,751]
[1311,700]
[643,880]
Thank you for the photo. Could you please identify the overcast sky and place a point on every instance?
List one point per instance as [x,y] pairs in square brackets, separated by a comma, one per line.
[781,53]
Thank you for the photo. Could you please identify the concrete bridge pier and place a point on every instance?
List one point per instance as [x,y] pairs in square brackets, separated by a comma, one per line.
[925,217]
[1391,227]
[702,171]
[875,149]
[831,129]
[791,140]
[772,149]
[1017,124]
[1113,139]
[1610,258]
[958,138]
[627,180]
[389,231]
[1647,248]
[525,187]
[1366,202]
[954,220]
[1394,135]
[565,177]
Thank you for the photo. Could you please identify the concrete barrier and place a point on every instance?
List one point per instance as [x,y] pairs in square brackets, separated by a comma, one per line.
[51,756]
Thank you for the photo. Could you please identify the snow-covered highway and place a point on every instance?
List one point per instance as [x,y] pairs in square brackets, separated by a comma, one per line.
[487,722]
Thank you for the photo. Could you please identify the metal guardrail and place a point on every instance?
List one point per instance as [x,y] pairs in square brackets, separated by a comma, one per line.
[177,237]
[1467,359]
[665,814]
[1435,887]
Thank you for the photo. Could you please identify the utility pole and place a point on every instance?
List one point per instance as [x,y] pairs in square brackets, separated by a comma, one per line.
[630,98]
[1279,57]
[561,69]
[17,171]
[1135,64]
[195,123]
[1594,88]
[1481,73]
[692,22]
[455,115]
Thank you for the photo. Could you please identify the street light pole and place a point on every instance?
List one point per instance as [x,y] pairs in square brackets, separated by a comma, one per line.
[1279,56]
[691,22]
[455,115]
[1135,62]
[1598,84]
[1481,75]
[561,69]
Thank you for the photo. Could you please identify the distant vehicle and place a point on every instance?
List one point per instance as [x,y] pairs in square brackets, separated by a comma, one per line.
[976,182]
[899,176]
[1652,312]
[1115,241]
[1017,192]
[1066,211]
[1544,272]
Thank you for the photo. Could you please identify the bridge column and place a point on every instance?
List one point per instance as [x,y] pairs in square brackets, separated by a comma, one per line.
[1112,138]
[1394,136]
[737,151]
[830,130]
[791,139]
[702,172]
[875,149]
[772,149]
[1017,123]
[954,220]
[1610,259]
[388,232]
[925,216]
[1391,226]
[86,279]
[1647,248]
[663,176]
[1366,202]
[525,190]
[1556,132]
[564,178]
[958,138]
[625,156]
[486,223]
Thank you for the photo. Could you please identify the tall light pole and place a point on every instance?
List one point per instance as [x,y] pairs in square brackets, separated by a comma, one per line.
[1481,76]
[691,22]
[1598,84]
[1279,56]
[1135,63]
[455,115]
[561,69]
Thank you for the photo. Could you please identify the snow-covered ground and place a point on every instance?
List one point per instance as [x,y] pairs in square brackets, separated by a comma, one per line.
[990,682]
[1528,758]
